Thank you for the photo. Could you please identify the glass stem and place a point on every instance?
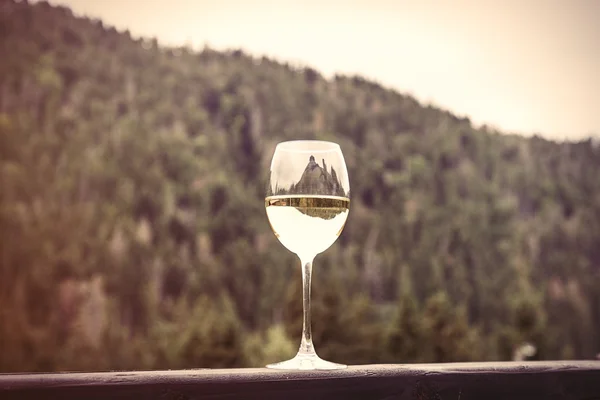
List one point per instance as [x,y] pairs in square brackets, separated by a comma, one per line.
[306,345]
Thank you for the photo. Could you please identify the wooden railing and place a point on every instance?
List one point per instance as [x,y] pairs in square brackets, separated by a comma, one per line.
[530,380]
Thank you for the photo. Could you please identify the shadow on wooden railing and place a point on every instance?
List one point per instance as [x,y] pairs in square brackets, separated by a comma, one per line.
[506,380]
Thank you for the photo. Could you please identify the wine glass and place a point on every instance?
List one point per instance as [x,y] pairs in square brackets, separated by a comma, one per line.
[307,203]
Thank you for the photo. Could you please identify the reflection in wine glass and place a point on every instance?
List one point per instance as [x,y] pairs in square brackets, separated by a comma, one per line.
[307,206]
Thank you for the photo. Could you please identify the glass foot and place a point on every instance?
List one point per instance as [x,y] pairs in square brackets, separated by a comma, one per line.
[306,362]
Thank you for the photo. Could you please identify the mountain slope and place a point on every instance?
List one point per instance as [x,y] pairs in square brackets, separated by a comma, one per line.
[132,193]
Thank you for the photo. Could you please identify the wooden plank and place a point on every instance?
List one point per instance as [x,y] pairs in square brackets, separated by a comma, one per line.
[531,380]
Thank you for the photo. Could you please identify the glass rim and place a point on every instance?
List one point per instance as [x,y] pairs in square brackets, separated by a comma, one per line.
[326,146]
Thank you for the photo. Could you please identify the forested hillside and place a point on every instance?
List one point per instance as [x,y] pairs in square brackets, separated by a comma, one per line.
[133,233]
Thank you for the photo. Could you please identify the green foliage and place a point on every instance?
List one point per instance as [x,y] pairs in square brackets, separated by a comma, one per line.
[133,234]
[207,334]
[405,340]
[448,334]
[269,347]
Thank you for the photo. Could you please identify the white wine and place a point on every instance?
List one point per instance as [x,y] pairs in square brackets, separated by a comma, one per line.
[307,225]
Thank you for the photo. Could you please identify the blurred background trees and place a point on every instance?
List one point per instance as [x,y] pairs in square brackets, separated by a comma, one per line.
[133,233]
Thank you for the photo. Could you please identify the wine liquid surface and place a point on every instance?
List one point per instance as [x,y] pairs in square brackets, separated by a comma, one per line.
[307,225]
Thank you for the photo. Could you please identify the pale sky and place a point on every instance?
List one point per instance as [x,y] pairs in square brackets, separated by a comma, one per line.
[524,66]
